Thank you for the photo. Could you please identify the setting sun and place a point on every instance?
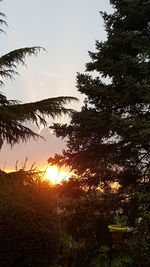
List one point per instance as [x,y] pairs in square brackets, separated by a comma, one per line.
[55,175]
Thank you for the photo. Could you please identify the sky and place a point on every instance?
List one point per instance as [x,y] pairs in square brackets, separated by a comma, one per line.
[67,29]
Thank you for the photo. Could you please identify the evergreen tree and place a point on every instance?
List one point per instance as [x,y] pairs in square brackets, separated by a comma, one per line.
[13,114]
[109,139]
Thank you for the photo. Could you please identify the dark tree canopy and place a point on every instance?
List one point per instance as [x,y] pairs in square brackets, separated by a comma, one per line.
[15,115]
[109,139]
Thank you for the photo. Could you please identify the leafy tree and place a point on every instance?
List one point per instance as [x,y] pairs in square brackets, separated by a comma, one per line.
[109,139]
[13,114]
[29,233]
[135,249]
[85,217]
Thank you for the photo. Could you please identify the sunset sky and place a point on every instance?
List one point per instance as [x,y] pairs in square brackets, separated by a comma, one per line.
[67,29]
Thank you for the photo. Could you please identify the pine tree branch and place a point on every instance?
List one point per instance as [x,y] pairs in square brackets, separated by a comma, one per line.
[10,61]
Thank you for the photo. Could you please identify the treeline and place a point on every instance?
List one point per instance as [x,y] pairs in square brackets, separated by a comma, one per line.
[67,225]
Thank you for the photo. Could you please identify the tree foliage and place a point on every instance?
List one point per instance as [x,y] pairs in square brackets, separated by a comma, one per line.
[29,233]
[109,139]
[15,115]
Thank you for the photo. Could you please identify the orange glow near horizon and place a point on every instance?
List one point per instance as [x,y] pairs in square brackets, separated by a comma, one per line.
[55,176]
[52,174]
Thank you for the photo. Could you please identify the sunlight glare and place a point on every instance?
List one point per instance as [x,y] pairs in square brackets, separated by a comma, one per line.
[55,175]
[115,186]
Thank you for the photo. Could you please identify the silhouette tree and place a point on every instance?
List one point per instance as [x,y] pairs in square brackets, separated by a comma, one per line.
[109,139]
[13,114]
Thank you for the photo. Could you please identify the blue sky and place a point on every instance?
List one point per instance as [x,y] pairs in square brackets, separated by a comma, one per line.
[67,29]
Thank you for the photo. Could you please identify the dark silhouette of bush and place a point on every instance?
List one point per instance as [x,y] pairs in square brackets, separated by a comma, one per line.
[28,225]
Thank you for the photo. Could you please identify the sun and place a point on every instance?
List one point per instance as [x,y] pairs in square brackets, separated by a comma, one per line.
[55,175]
